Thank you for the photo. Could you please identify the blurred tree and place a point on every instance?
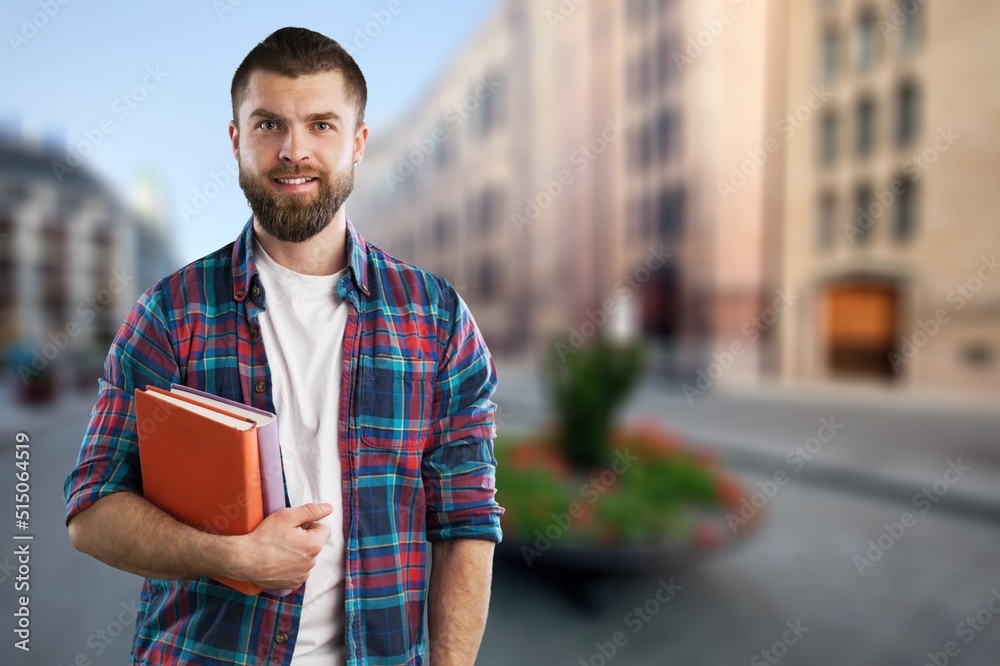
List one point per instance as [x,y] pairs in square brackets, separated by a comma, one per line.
[588,387]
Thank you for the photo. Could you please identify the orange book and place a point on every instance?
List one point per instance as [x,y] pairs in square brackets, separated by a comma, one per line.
[201,466]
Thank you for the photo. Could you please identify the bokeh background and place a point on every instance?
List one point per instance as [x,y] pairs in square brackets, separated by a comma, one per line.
[791,204]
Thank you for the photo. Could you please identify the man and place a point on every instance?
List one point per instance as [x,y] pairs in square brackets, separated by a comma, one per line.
[381,382]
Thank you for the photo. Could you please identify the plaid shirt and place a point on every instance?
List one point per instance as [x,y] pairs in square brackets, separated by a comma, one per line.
[415,436]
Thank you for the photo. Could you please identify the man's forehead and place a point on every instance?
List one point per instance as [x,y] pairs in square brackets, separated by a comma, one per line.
[325,89]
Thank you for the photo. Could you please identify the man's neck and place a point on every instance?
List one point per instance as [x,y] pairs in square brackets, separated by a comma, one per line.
[323,254]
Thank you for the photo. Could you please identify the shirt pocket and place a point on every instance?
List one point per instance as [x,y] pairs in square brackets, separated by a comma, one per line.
[394,398]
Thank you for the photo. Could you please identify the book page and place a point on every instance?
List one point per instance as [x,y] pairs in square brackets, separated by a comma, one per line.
[225,419]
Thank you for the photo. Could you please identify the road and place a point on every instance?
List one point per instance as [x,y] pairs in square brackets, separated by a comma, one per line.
[82,612]
[799,569]
[810,565]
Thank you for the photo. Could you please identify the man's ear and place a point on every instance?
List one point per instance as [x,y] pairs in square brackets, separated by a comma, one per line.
[234,137]
[360,141]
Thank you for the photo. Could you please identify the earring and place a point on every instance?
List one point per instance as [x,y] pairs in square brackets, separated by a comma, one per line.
[355,165]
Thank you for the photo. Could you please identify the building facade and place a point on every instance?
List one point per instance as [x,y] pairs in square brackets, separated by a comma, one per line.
[73,260]
[890,236]
[796,189]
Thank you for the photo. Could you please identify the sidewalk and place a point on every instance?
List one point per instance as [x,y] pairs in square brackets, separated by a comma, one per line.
[860,441]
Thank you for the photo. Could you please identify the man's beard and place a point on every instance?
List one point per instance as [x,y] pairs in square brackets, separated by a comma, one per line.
[295,218]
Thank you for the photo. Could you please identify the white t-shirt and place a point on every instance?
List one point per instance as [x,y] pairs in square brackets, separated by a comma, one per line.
[303,332]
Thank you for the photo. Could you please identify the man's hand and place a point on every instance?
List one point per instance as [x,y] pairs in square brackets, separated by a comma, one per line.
[125,531]
[281,552]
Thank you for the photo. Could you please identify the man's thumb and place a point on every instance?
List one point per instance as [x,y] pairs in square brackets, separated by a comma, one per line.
[312,511]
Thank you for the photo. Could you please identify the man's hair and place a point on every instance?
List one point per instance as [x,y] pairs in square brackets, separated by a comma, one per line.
[296,52]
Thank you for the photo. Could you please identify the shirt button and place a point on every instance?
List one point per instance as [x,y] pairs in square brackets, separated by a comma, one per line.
[240,292]
[256,290]
[260,386]
[281,637]
[254,331]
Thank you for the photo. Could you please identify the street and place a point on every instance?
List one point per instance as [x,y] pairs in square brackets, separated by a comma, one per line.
[799,568]
[792,594]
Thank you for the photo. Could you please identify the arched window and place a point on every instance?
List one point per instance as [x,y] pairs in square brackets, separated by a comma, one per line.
[867,40]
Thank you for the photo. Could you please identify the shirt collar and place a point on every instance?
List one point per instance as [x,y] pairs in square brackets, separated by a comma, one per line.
[245,266]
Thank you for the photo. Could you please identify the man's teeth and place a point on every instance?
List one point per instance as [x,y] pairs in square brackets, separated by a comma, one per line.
[293,181]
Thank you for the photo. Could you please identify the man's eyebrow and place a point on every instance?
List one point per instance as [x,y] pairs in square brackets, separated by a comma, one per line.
[312,117]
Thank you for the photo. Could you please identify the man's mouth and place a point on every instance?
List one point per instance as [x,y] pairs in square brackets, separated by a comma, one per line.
[295,181]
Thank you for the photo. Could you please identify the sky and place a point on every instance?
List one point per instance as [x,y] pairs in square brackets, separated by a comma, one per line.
[146,85]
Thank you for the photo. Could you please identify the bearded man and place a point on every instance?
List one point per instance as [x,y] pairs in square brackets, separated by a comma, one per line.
[381,381]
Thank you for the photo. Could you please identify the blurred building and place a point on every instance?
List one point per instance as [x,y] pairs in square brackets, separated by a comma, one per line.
[720,166]
[700,85]
[506,178]
[435,189]
[890,234]
[73,260]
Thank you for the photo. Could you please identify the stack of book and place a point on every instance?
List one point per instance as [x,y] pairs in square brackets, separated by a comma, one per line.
[211,463]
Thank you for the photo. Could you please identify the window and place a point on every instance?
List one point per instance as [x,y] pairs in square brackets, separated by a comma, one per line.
[864,215]
[441,230]
[489,279]
[826,215]
[648,216]
[830,55]
[495,206]
[632,78]
[635,216]
[645,76]
[485,211]
[665,133]
[646,145]
[828,139]
[868,34]
[671,214]
[635,148]
[639,12]
[664,61]
[905,222]
[866,127]
[911,14]
[489,96]
[907,103]
[442,149]
[8,274]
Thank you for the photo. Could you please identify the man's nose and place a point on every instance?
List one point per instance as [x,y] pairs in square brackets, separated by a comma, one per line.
[295,147]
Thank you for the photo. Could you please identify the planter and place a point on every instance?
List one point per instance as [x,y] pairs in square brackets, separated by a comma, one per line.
[653,505]
[587,499]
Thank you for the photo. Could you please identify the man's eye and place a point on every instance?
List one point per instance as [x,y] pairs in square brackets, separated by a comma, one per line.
[268,124]
[324,126]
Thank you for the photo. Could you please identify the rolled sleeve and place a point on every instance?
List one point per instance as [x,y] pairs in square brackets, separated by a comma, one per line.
[458,468]
[108,461]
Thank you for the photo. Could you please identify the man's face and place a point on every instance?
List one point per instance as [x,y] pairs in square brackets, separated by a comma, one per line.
[296,145]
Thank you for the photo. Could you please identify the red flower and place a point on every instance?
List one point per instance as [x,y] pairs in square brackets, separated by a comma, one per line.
[706,457]
[728,490]
[707,535]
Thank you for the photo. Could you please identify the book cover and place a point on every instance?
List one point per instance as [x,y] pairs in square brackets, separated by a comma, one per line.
[201,466]
[271,470]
